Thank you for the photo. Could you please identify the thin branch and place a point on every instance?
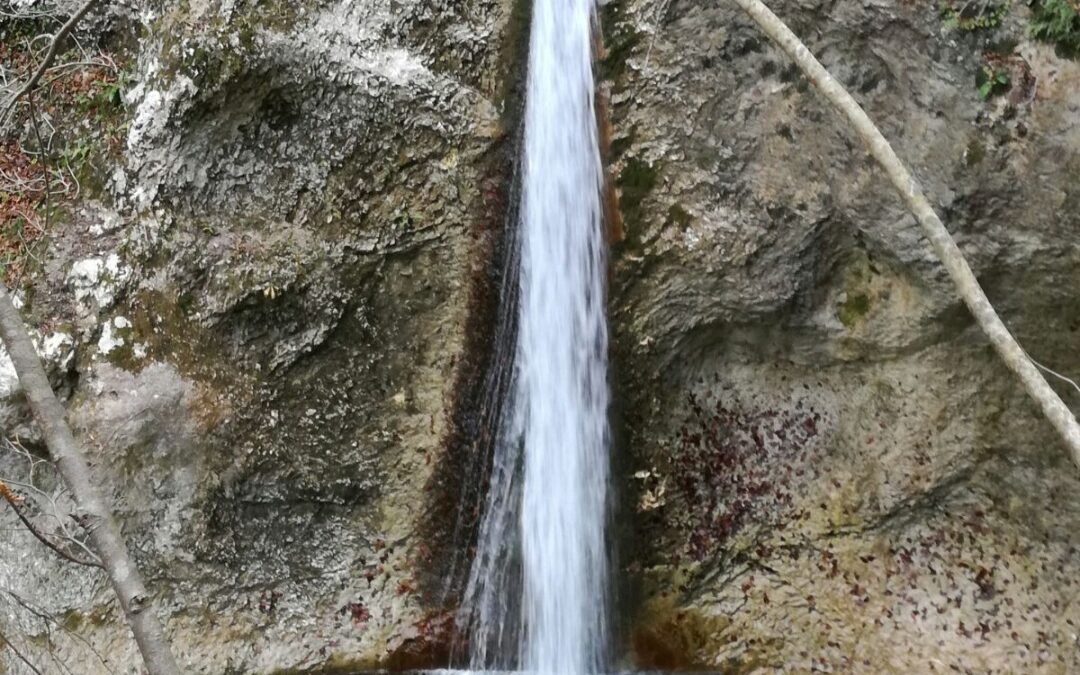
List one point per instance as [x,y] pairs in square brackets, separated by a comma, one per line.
[61,71]
[47,618]
[48,633]
[656,30]
[36,611]
[50,56]
[6,641]
[1056,374]
[92,512]
[44,157]
[60,516]
[30,16]
[13,502]
[942,242]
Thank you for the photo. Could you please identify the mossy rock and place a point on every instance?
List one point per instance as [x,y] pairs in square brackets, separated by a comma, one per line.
[672,638]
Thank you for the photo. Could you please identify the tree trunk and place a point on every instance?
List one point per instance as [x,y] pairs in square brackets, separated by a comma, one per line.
[944,245]
[93,515]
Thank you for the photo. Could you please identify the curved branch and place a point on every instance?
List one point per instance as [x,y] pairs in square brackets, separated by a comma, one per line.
[44,153]
[942,242]
[50,56]
[4,641]
[94,515]
[13,502]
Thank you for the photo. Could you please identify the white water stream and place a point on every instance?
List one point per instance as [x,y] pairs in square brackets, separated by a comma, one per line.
[542,536]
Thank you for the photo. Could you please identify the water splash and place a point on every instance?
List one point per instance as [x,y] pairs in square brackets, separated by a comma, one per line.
[537,593]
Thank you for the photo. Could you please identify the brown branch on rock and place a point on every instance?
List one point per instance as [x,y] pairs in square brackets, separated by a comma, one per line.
[92,513]
[942,242]
[5,642]
[14,502]
[50,56]
[44,154]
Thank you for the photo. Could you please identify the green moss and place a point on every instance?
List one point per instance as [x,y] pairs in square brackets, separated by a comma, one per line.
[858,279]
[185,303]
[636,181]
[40,640]
[1057,22]
[973,16]
[212,64]
[100,616]
[279,15]
[620,39]
[853,309]
[72,621]
[678,217]
[620,145]
[218,52]
[159,321]
[976,151]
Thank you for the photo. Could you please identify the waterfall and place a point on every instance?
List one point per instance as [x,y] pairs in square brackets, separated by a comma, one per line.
[536,596]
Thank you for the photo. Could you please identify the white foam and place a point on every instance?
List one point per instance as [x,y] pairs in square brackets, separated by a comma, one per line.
[560,401]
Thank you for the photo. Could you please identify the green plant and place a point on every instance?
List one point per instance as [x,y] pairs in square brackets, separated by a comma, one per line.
[991,81]
[1058,22]
[974,15]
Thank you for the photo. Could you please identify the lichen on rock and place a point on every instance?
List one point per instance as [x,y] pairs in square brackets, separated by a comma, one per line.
[797,287]
[268,297]
[256,315]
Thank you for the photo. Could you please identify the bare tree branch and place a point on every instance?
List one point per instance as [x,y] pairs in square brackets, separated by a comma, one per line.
[47,619]
[942,242]
[44,157]
[18,654]
[93,515]
[61,515]
[13,502]
[50,56]
[1058,375]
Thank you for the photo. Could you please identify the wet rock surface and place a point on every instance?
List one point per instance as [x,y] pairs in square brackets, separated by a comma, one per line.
[833,471]
[256,315]
[266,300]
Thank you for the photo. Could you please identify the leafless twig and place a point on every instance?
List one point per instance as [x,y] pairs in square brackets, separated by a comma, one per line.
[30,485]
[50,620]
[6,641]
[46,62]
[950,255]
[44,157]
[1056,374]
[13,502]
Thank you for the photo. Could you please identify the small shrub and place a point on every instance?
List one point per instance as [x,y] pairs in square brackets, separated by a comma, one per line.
[972,16]
[1057,22]
[991,81]
[969,16]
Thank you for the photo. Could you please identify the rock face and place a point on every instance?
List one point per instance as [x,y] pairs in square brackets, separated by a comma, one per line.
[257,309]
[832,468]
[266,297]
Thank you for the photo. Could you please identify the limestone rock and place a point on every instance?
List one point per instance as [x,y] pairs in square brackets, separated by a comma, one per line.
[853,482]
[281,247]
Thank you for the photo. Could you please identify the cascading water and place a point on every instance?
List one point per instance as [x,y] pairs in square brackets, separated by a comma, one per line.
[536,597]
[563,350]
